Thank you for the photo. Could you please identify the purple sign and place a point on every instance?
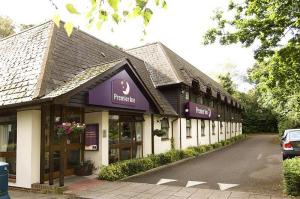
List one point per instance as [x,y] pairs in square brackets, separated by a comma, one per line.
[119,91]
[92,137]
[194,110]
[123,92]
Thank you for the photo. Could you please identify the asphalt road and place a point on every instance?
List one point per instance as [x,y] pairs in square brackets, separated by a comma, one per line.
[254,165]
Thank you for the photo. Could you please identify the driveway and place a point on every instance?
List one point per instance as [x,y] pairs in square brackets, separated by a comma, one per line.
[253,165]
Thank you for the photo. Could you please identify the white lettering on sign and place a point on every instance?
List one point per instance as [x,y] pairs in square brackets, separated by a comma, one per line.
[203,111]
[124,98]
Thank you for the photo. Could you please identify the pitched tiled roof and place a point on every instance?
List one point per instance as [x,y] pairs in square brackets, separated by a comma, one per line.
[81,78]
[21,58]
[42,63]
[174,69]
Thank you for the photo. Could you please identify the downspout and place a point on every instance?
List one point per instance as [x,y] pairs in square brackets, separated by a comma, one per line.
[197,132]
[179,115]
[152,133]
[209,131]
[172,139]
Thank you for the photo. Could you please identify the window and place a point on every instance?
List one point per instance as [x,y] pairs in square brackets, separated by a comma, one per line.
[211,103]
[221,127]
[202,128]
[199,100]
[8,142]
[165,127]
[188,129]
[213,125]
[187,94]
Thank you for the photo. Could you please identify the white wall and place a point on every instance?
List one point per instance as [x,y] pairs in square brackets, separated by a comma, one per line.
[147,139]
[222,131]
[188,141]
[214,137]
[161,145]
[204,140]
[99,157]
[28,148]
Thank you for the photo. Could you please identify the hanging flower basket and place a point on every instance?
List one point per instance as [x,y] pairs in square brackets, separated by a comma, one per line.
[68,129]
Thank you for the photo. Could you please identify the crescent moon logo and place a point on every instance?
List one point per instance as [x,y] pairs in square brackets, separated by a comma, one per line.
[126,89]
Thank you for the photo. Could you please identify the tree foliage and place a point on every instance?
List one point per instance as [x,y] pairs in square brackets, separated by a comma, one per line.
[273,26]
[227,83]
[6,27]
[99,12]
[256,118]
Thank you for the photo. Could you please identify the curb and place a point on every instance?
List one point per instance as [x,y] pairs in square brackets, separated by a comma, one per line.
[180,161]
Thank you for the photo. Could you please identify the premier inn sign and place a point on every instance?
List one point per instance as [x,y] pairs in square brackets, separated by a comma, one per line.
[123,92]
[119,91]
[193,110]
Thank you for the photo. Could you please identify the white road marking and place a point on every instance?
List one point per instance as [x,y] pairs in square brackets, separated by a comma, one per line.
[163,181]
[193,183]
[224,186]
[259,156]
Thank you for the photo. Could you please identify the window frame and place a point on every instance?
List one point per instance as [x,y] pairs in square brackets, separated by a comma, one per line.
[188,128]
[165,128]
[12,120]
[202,128]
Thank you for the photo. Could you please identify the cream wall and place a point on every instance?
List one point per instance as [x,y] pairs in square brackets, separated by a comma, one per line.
[222,131]
[147,139]
[28,148]
[99,157]
[161,145]
[214,137]
[204,140]
[188,141]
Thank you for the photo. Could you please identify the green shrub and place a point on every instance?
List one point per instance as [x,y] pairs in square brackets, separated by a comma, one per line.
[209,147]
[291,173]
[217,145]
[190,152]
[223,142]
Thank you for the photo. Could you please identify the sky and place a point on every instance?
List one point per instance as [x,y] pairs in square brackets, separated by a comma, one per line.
[180,27]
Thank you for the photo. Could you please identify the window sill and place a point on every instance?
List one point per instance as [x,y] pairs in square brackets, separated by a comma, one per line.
[188,137]
[165,139]
[202,135]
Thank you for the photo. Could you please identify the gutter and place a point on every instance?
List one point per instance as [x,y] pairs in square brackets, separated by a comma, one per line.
[172,123]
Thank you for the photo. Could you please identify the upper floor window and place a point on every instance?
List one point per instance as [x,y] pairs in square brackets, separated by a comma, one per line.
[187,94]
[188,128]
[199,100]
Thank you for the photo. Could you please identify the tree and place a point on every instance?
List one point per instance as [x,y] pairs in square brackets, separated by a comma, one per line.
[227,83]
[25,26]
[269,23]
[6,27]
[116,11]
[274,27]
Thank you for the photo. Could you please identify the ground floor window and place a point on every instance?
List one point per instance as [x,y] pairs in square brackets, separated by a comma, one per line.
[125,137]
[165,128]
[8,142]
[221,127]
[188,129]
[202,128]
[213,125]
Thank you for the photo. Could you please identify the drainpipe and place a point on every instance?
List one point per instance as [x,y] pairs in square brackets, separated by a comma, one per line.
[209,131]
[197,133]
[152,133]
[172,123]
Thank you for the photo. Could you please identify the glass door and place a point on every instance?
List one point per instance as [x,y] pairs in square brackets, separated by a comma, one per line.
[125,138]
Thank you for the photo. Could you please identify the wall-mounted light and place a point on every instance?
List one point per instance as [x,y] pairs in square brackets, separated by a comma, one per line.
[219,116]
[186,110]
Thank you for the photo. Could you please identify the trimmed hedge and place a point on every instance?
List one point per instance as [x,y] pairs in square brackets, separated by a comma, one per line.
[291,175]
[122,169]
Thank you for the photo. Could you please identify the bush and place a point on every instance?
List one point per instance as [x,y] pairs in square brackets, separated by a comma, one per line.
[291,173]
[122,169]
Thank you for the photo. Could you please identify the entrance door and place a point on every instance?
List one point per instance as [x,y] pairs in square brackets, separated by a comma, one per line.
[64,152]
[125,138]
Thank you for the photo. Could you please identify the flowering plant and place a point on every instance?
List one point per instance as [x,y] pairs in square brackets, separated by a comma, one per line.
[68,128]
